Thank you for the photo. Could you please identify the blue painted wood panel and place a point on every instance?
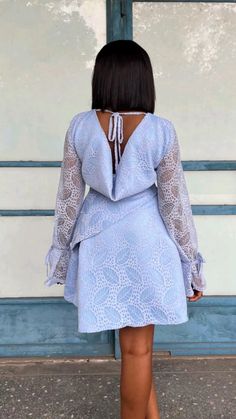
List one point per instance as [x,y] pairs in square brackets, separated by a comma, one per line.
[47,327]
[211,330]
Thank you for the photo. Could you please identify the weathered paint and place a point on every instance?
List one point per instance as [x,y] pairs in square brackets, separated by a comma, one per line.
[209,331]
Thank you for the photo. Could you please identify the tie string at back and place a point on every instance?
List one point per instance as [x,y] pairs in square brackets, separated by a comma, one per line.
[116,131]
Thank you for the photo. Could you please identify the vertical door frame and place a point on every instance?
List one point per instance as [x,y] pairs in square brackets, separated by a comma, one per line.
[119,19]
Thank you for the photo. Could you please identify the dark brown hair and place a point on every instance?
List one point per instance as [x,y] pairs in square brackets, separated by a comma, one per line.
[122,78]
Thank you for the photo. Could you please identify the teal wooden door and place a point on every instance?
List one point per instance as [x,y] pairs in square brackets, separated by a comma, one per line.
[33,324]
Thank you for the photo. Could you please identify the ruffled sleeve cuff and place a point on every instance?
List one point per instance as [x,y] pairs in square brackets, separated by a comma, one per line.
[57,261]
[193,275]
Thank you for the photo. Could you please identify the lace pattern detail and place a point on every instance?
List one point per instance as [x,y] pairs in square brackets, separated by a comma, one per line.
[69,199]
[175,209]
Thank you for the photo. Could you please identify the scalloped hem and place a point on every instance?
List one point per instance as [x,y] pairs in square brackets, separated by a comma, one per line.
[111,327]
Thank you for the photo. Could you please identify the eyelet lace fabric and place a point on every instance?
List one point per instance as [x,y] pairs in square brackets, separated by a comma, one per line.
[152,156]
[175,209]
[69,198]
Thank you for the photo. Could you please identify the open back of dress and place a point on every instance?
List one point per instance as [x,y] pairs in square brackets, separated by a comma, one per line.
[116,132]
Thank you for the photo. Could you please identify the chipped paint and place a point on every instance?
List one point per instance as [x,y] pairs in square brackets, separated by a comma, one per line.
[87,10]
[207,37]
[202,29]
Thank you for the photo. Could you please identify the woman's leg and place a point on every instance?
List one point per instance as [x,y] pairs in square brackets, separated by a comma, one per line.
[153,409]
[136,372]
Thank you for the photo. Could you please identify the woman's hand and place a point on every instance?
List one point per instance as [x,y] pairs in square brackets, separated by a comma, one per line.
[197,295]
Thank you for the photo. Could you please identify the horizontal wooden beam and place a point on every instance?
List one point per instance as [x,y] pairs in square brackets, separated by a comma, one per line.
[196,209]
[184,1]
[188,165]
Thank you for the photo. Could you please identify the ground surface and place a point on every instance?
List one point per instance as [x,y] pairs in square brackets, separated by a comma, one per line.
[188,388]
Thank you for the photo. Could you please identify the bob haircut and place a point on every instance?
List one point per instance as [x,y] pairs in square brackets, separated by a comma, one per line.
[122,78]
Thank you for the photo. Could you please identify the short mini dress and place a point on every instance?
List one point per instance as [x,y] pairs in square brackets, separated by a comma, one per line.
[127,251]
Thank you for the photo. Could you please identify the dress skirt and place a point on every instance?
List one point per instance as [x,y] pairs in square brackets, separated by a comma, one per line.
[127,274]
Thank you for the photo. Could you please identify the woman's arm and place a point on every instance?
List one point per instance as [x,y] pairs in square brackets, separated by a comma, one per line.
[69,199]
[175,209]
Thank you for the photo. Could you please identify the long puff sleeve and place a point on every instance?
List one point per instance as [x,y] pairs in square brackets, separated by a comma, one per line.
[176,212]
[69,199]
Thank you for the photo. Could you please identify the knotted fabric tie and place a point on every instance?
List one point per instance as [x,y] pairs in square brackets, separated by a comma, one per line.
[115,133]
[200,261]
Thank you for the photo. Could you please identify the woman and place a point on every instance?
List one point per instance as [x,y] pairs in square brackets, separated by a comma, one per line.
[127,253]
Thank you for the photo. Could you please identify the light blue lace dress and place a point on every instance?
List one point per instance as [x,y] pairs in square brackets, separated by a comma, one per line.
[127,252]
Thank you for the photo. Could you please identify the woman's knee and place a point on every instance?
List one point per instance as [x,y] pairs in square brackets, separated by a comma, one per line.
[136,341]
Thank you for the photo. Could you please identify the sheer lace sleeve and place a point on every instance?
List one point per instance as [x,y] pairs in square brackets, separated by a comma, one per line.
[175,209]
[69,200]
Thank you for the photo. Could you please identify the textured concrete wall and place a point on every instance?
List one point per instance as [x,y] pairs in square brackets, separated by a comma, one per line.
[193,50]
[47,55]
[46,60]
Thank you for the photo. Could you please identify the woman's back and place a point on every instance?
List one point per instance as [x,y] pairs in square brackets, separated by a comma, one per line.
[104,169]
[130,124]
